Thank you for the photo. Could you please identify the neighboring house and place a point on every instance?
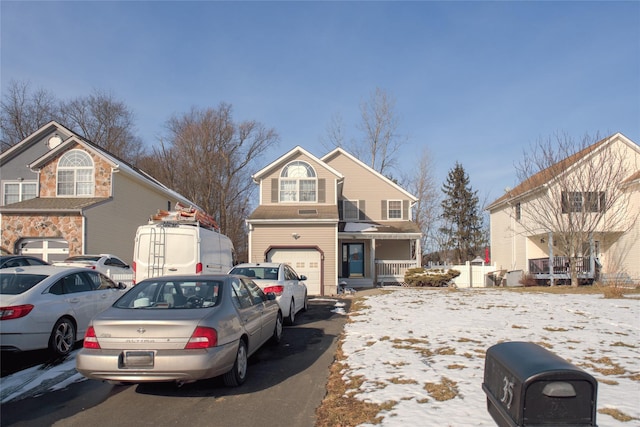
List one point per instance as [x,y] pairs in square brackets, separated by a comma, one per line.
[611,252]
[62,195]
[333,219]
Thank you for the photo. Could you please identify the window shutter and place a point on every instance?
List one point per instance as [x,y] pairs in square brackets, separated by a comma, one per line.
[405,209]
[274,190]
[383,214]
[322,190]
[361,208]
[565,202]
[341,209]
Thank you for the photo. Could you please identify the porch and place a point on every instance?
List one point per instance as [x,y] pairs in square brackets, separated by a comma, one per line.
[392,272]
[557,268]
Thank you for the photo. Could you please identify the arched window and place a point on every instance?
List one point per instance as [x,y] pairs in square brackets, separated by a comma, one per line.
[298,183]
[75,174]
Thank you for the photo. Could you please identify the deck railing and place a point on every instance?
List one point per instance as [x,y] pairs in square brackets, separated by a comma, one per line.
[392,271]
[560,265]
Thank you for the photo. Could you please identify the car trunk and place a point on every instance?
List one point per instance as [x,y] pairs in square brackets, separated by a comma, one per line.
[145,329]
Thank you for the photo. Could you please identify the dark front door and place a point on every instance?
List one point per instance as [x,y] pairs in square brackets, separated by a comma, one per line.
[352,259]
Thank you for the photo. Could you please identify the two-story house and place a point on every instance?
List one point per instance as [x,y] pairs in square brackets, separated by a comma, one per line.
[578,216]
[333,219]
[62,195]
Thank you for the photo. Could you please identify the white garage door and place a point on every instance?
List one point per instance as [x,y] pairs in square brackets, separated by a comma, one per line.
[305,262]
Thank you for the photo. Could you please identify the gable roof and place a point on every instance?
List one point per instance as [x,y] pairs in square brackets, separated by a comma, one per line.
[117,163]
[32,139]
[285,158]
[538,179]
[339,151]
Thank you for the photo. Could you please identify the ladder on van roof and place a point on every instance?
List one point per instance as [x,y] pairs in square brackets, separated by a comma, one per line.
[185,215]
[157,251]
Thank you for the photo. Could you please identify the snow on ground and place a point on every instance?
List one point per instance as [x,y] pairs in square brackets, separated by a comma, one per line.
[399,342]
[403,340]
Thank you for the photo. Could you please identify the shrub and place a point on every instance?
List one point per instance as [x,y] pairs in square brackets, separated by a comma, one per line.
[436,277]
[528,280]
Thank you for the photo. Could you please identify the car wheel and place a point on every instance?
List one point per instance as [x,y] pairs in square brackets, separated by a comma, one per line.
[292,312]
[277,330]
[238,373]
[63,337]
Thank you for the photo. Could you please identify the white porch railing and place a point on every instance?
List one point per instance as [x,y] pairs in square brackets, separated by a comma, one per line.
[392,271]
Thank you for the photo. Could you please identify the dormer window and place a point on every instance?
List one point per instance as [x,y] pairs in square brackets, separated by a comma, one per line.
[298,183]
[75,174]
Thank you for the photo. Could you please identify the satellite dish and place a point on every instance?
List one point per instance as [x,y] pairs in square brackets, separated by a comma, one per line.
[54,141]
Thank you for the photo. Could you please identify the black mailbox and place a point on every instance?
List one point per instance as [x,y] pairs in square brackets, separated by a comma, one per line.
[527,385]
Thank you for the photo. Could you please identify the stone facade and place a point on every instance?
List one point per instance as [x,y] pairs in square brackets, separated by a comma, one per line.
[68,227]
[101,170]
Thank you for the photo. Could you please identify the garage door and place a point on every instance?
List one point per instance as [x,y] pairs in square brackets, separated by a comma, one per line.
[50,250]
[305,262]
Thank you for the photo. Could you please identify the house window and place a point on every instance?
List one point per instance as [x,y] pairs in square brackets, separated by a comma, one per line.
[588,201]
[75,174]
[17,191]
[518,208]
[298,183]
[350,210]
[394,209]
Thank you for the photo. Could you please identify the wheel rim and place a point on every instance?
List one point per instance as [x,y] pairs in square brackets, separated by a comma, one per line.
[63,338]
[242,361]
[292,312]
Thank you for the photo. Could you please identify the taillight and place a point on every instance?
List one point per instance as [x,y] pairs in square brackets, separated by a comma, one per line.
[15,312]
[277,289]
[199,268]
[202,338]
[134,273]
[90,339]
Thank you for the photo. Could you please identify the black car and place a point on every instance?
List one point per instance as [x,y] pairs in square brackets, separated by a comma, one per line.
[8,261]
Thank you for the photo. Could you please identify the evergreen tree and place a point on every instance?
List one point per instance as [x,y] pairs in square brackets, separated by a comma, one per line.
[462,222]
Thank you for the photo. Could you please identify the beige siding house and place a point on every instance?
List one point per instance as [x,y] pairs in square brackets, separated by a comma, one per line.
[62,195]
[333,219]
[539,228]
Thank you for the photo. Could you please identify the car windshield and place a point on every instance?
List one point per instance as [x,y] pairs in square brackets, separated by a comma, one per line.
[270,273]
[14,284]
[83,258]
[168,294]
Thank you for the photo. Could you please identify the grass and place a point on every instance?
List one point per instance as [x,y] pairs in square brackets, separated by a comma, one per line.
[341,409]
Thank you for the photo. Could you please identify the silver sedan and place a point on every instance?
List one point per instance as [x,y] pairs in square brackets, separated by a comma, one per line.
[181,328]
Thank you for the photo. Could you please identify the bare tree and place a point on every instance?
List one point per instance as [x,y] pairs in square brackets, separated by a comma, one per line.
[24,111]
[335,133]
[380,140]
[575,195]
[105,121]
[211,155]
[421,183]
[379,124]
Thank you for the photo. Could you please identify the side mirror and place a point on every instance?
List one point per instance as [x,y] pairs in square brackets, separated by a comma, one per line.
[122,285]
[271,296]
[303,277]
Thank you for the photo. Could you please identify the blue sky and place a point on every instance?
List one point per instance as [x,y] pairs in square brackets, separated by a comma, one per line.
[474,82]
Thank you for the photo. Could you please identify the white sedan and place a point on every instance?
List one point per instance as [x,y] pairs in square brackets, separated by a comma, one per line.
[105,263]
[50,307]
[282,280]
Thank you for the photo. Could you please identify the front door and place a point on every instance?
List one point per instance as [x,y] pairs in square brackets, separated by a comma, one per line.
[353,260]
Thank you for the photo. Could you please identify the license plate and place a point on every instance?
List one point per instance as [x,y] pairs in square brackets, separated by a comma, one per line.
[139,359]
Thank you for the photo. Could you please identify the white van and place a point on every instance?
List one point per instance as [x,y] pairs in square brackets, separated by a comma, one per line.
[171,248]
